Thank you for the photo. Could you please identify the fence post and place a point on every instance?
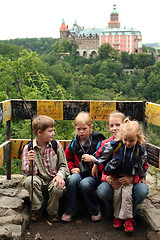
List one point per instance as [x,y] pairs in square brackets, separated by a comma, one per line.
[8,124]
[8,136]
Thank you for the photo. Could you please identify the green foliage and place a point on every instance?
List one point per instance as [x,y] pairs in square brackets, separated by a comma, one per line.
[153,133]
[39,45]
[49,69]
[16,167]
[106,51]
[2,133]
[155,175]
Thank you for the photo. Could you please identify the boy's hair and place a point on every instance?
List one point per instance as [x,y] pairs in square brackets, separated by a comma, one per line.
[118,114]
[42,122]
[83,118]
[131,127]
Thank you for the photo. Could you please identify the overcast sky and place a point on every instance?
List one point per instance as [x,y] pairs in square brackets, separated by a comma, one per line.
[43,18]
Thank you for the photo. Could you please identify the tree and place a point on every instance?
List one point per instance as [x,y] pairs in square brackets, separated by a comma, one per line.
[106,51]
[141,60]
[125,59]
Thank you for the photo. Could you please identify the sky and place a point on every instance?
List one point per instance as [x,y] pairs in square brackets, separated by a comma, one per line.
[43,18]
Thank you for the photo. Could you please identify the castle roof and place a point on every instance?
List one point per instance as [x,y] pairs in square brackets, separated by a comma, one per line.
[75,29]
[115,21]
[121,31]
[90,31]
[108,31]
[63,26]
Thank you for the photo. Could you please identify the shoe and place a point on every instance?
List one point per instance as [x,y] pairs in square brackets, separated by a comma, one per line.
[36,215]
[66,217]
[117,223]
[53,219]
[96,218]
[128,225]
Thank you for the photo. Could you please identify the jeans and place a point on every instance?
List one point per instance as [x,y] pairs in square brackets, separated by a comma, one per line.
[105,193]
[87,187]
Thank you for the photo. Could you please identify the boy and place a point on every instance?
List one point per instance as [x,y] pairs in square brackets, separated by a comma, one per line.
[86,142]
[49,168]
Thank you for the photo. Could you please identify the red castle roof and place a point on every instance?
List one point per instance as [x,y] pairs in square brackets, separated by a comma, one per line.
[63,26]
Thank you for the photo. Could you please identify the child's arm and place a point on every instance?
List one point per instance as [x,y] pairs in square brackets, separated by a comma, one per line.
[95,171]
[106,152]
[72,160]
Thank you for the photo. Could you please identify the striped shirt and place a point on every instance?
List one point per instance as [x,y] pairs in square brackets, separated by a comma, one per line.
[47,164]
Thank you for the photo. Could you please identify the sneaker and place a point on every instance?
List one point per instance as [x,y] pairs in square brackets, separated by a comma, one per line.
[128,225]
[66,217]
[36,215]
[117,223]
[96,218]
[53,219]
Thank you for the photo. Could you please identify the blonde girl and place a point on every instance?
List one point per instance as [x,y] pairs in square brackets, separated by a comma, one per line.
[128,158]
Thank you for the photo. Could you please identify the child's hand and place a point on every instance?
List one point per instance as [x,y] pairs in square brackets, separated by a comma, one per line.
[95,171]
[142,180]
[113,182]
[75,170]
[87,158]
[31,158]
[126,179]
[60,183]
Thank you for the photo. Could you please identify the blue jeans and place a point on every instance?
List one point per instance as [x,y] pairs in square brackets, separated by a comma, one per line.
[105,193]
[87,187]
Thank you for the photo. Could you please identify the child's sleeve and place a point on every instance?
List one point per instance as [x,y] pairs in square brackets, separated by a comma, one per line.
[72,160]
[25,163]
[104,154]
[100,150]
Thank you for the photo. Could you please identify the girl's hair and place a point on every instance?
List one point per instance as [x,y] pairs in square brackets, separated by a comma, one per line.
[117,114]
[83,118]
[42,122]
[132,127]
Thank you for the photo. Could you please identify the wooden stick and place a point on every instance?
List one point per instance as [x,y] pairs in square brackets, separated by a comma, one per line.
[30,114]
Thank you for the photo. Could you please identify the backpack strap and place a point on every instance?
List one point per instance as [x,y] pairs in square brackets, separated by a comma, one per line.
[53,142]
[71,145]
[54,145]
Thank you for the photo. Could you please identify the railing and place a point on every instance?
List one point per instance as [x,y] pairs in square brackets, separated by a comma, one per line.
[145,112]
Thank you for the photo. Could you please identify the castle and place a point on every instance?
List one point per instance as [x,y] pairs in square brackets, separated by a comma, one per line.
[90,39]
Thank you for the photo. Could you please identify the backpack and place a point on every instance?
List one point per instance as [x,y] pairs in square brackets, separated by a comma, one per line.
[53,142]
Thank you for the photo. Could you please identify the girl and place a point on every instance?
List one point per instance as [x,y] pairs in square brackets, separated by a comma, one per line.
[129,158]
[86,142]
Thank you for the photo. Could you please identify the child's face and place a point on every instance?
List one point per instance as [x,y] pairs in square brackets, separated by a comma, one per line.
[83,131]
[48,134]
[114,125]
[129,139]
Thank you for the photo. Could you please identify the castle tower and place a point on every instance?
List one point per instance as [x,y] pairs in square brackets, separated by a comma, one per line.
[114,22]
[63,30]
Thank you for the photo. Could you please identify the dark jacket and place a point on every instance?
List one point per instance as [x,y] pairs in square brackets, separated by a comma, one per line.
[74,151]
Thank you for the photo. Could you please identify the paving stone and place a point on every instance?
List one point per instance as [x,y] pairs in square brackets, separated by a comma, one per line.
[16,232]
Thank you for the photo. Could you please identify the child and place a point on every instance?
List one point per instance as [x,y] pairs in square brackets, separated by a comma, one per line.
[86,142]
[115,119]
[49,168]
[129,158]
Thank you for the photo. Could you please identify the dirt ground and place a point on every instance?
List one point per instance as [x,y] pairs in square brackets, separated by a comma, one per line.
[82,228]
